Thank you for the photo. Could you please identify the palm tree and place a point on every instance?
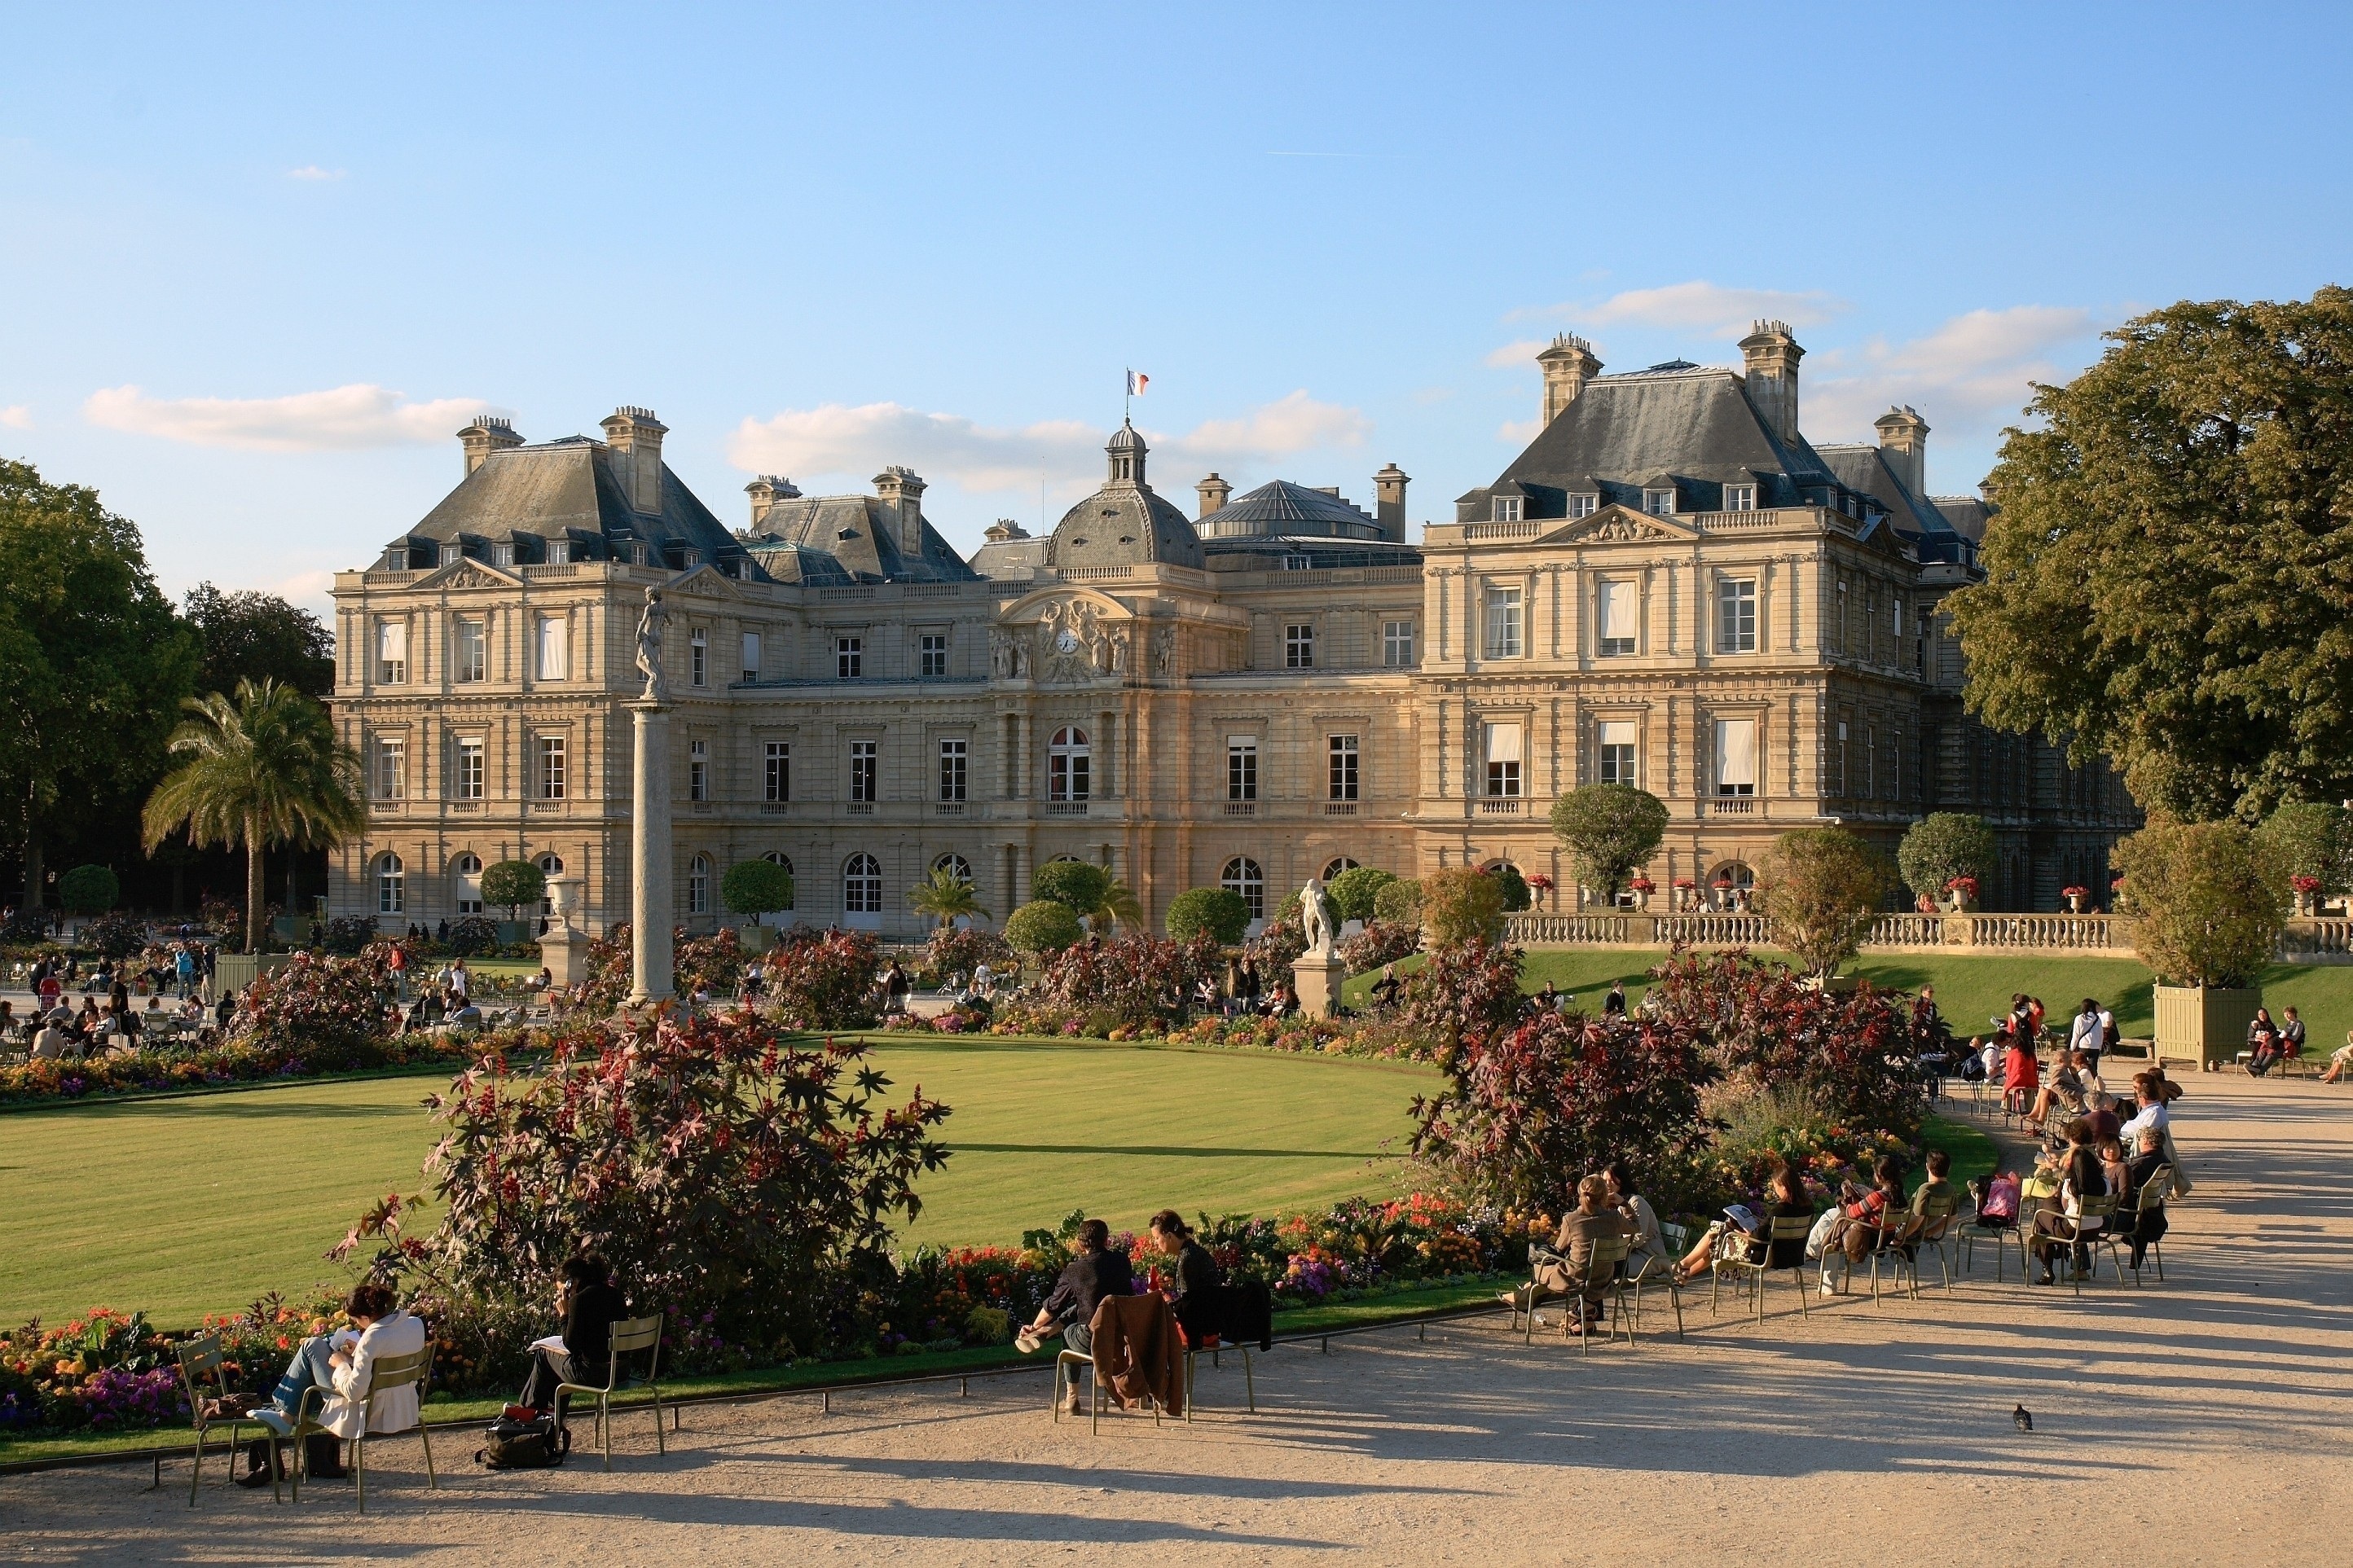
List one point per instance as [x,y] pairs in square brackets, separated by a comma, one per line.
[259,769]
[945,896]
[1120,906]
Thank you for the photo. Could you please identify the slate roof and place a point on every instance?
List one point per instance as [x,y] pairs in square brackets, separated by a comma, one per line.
[855,533]
[1292,511]
[1124,523]
[568,489]
[1967,514]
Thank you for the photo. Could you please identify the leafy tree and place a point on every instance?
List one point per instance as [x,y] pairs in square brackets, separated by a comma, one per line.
[91,656]
[514,883]
[257,637]
[1079,886]
[1043,925]
[1823,887]
[1461,905]
[2310,843]
[1119,906]
[1132,977]
[942,895]
[2166,576]
[264,768]
[1942,846]
[2207,902]
[1355,889]
[1400,900]
[1610,830]
[88,890]
[1217,912]
[1515,885]
[756,887]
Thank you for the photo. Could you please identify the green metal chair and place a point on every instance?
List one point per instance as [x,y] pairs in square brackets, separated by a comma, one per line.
[201,1357]
[2149,1200]
[1214,1350]
[1608,1253]
[1782,1228]
[385,1375]
[627,1336]
[2078,1228]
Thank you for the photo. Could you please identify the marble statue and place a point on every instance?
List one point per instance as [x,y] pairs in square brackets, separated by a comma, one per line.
[649,625]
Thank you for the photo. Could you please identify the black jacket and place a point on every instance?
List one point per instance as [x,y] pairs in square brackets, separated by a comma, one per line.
[1085,1280]
[588,1330]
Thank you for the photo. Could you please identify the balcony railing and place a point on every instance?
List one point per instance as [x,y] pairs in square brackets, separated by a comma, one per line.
[1066,808]
[1339,808]
[1501,805]
[1241,808]
[947,808]
[1732,805]
[860,808]
[774,807]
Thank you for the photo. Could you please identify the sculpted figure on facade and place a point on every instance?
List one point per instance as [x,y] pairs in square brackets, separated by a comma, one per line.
[649,625]
[1164,651]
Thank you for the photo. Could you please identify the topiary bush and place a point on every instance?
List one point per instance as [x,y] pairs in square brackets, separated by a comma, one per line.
[1823,887]
[2208,902]
[511,884]
[88,890]
[1610,831]
[1219,913]
[1400,900]
[1942,846]
[1354,890]
[756,887]
[1461,905]
[1043,926]
[1076,885]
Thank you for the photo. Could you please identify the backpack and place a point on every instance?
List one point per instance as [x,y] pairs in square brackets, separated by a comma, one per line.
[535,1444]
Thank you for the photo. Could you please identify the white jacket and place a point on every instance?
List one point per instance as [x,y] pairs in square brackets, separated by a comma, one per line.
[399,1334]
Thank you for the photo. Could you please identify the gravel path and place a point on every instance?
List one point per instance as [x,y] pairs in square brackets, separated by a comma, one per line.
[2202,1420]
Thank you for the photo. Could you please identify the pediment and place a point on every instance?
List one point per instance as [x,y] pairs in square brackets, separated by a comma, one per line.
[1064,599]
[1619,524]
[468,574]
[706,581]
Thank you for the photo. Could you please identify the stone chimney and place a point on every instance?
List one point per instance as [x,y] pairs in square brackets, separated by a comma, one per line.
[1772,356]
[1388,502]
[1904,442]
[765,492]
[901,494]
[1002,530]
[635,438]
[486,436]
[1213,492]
[1568,365]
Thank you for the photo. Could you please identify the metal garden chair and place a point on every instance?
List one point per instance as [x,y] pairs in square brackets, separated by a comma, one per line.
[387,1374]
[628,1336]
[201,1357]
[1784,1229]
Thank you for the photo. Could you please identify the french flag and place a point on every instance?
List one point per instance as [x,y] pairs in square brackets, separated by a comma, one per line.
[1136,381]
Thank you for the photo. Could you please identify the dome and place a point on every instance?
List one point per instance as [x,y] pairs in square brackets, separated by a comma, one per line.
[1125,439]
[1283,509]
[1124,523]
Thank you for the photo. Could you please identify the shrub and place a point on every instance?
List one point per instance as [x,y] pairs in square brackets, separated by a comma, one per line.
[1217,913]
[322,1012]
[1043,926]
[2310,846]
[1355,889]
[953,951]
[513,884]
[1400,900]
[1942,846]
[1461,905]
[88,890]
[756,887]
[2208,902]
[1078,885]
[116,936]
[1823,887]
[1130,978]
[710,964]
[474,936]
[1610,831]
[347,935]
[1380,943]
[822,980]
[1466,991]
[1515,885]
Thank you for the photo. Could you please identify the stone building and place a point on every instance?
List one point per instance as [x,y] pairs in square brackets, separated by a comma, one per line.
[1671,587]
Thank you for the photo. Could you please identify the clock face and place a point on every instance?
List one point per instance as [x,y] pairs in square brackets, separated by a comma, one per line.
[1068,642]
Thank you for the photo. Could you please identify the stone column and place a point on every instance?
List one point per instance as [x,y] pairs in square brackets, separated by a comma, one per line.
[650,967]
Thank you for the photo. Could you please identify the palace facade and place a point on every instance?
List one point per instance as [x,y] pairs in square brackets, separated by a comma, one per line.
[1669,587]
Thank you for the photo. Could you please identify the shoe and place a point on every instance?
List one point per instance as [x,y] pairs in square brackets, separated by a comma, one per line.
[259,1457]
[268,1416]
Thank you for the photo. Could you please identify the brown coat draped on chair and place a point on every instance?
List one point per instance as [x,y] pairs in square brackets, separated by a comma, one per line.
[1137,1352]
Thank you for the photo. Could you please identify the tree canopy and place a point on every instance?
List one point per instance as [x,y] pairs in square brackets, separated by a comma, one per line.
[1611,830]
[2310,838]
[1461,905]
[1077,885]
[1942,846]
[2169,574]
[1217,913]
[249,636]
[945,896]
[1823,887]
[514,883]
[2207,901]
[1042,925]
[1355,889]
[756,887]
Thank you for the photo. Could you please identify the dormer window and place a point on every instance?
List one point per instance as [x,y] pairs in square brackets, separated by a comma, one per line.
[1740,497]
[1506,508]
[1659,502]
[559,552]
[1583,503]
[502,554]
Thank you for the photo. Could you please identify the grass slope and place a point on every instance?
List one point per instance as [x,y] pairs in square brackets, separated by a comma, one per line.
[188,1206]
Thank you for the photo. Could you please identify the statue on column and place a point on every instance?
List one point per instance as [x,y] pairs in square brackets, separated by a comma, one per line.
[1319,919]
[649,625]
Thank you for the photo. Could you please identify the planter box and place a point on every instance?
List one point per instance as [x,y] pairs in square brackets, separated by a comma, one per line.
[755,939]
[2205,1026]
[233,971]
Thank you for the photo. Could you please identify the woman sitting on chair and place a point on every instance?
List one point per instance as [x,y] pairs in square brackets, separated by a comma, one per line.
[342,1364]
[589,1306]
[2080,1177]
[1193,1294]
[1785,1198]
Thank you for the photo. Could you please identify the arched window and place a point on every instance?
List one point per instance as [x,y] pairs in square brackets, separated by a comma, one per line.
[779,858]
[698,885]
[861,885]
[1068,759]
[1242,876]
[1338,866]
[467,890]
[550,866]
[389,899]
[955,865]
[1731,885]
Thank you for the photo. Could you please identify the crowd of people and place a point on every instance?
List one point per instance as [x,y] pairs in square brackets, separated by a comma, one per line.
[166,990]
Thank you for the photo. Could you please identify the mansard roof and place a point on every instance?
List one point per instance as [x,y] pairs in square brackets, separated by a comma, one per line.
[857,535]
[1283,510]
[568,489]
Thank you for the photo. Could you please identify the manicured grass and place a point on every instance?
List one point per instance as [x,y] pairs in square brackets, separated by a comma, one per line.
[196,1204]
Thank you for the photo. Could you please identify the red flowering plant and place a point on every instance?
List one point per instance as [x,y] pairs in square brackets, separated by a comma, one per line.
[2304,882]
[952,951]
[823,980]
[1132,978]
[1964,886]
[712,964]
[1642,885]
[2074,893]
[321,1011]
[1379,944]
[1464,995]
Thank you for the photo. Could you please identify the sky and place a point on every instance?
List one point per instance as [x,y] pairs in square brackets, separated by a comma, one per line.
[259,264]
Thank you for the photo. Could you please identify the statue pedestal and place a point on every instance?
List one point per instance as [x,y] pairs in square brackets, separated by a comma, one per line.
[1317,977]
[650,963]
[564,952]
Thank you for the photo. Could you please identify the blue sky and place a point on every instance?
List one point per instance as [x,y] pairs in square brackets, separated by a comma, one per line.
[259,264]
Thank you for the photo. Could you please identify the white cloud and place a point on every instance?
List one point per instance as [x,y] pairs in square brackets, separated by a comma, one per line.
[341,418]
[834,438]
[17,416]
[1712,309]
[312,171]
[1516,356]
[1972,371]
[1519,432]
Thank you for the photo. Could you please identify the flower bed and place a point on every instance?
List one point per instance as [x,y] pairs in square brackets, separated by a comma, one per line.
[245,1059]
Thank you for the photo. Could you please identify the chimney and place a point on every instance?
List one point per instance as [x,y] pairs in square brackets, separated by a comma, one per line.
[1568,365]
[1213,491]
[901,495]
[1904,442]
[636,436]
[765,492]
[1772,356]
[486,436]
[1388,502]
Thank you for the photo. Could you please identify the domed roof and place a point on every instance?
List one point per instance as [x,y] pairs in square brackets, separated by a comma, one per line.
[1124,439]
[1123,525]
[1283,509]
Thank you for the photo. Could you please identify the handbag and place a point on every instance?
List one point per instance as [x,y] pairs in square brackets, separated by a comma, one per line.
[535,1443]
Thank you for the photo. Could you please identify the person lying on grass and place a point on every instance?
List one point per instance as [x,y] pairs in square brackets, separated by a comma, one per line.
[1097,1271]
[342,1364]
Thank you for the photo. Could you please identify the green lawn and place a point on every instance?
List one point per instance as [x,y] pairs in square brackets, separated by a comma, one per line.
[181,1207]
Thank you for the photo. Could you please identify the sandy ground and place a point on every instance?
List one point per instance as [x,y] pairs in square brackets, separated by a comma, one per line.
[2200,1420]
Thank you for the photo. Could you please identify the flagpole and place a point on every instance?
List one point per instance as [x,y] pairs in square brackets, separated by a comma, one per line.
[1127,403]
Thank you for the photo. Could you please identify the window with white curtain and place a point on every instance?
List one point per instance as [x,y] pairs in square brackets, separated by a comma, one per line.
[392,652]
[751,656]
[1502,744]
[1614,614]
[555,649]
[1615,742]
[1736,756]
[1502,623]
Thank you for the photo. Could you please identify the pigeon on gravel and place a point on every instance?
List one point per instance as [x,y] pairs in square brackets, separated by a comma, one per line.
[2024,1422]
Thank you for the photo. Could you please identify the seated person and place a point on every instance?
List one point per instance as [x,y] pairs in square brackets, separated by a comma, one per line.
[1938,1188]
[1386,989]
[1785,1198]
[50,1041]
[2066,1087]
[1567,1270]
[1194,1292]
[2080,1177]
[2339,1061]
[341,1363]
[2263,1043]
[587,1306]
[2141,1227]
[1646,1255]
[1094,1273]
[2020,1075]
[1866,1211]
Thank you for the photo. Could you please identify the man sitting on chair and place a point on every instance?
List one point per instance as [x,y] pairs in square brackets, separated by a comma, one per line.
[1568,1271]
[1096,1272]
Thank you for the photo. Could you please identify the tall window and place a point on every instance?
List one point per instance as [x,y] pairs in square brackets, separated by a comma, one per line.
[933,652]
[778,782]
[1736,616]
[1614,612]
[1068,759]
[1736,756]
[1502,623]
[468,868]
[1343,758]
[390,768]
[559,553]
[392,652]
[698,770]
[468,782]
[471,660]
[1298,648]
[551,767]
[956,764]
[1241,767]
[861,885]
[848,657]
[1616,751]
[390,898]
[1242,876]
[750,662]
[1871,762]
[1502,744]
[698,885]
[1740,497]
[1397,644]
[864,769]
[555,649]
[1840,761]
[779,858]
[698,660]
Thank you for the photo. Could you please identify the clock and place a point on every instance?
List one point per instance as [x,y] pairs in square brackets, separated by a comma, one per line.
[1068,642]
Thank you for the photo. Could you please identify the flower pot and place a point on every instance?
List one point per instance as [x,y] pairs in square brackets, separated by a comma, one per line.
[2207,1024]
